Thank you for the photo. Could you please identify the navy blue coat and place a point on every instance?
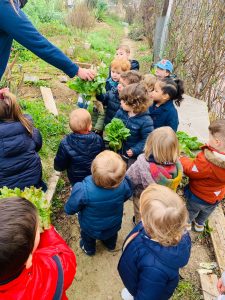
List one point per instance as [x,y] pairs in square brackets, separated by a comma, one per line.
[100,210]
[112,102]
[149,270]
[140,126]
[15,25]
[20,164]
[76,153]
[164,115]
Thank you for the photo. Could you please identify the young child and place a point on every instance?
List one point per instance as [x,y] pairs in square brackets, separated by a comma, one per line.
[99,200]
[206,177]
[20,163]
[163,111]
[78,149]
[149,82]
[33,265]
[111,99]
[118,66]
[164,69]
[134,114]
[157,247]
[158,164]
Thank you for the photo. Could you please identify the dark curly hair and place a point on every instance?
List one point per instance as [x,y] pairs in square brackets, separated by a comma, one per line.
[136,96]
[174,88]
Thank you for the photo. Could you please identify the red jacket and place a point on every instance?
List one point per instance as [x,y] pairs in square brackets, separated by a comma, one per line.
[206,174]
[39,282]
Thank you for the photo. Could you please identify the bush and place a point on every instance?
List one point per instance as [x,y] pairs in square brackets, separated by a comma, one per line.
[81,17]
[136,33]
[100,10]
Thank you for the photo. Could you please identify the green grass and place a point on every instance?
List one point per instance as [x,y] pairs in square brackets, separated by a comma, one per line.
[186,291]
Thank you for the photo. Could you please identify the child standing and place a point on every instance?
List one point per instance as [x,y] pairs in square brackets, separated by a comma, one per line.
[158,164]
[99,200]
[123,51]
[134,114]
[118,66]
[149,82]
[156,248]
[111,99]
[33,265]
[20,163]
[162,111]
[164,68]
[206,177]
[78,149]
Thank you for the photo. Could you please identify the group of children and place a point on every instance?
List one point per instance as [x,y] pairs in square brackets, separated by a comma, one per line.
[147,170]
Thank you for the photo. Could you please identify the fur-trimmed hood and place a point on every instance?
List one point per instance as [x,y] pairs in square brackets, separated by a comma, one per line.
[216,158]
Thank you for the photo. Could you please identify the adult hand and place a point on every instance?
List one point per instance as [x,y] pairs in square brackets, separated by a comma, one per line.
[130,153]
[220,286]
[86,74]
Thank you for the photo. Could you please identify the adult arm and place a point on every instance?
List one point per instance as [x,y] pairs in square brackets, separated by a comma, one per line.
[17,26]
[62,159]
[76,200]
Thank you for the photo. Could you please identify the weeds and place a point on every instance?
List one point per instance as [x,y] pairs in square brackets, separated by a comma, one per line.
[186,291]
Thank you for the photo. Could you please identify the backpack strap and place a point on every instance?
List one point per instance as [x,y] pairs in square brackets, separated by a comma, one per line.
[60,280]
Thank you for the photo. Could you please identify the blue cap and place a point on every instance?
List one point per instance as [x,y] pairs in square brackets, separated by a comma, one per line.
[165,64]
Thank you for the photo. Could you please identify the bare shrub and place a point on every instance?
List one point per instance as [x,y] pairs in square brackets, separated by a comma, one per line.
[81,17]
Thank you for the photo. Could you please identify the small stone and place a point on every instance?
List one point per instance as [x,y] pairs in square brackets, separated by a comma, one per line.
[63,79]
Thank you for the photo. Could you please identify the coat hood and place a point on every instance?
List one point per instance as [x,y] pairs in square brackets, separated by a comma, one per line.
[173,256]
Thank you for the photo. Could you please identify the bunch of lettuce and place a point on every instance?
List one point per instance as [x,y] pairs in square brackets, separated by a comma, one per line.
[115,134]
[37,197]
[188,143]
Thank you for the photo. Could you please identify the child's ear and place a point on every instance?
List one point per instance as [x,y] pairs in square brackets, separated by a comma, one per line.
[90,127]
[28,263]
[165,97]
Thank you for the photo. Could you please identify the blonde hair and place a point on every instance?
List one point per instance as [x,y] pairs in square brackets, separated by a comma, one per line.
[126,48]
[136,96]
[108,169]
[132,76]
[121,65]
[80,120]
[164,214]
[149,82]
[11,111]
[163,144]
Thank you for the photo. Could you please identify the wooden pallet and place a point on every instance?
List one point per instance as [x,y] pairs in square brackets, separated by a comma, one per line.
[49,100]
[208,284]
[217,223]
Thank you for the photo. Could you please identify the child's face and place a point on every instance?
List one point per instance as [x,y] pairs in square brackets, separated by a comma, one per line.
[160,73]
[115,75]
[122,84]
[215,143]
[121,53]
[157,94]
[125,106]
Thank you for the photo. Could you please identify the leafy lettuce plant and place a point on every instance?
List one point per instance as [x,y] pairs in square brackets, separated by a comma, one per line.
[188,143]
[115,134]
[37,197]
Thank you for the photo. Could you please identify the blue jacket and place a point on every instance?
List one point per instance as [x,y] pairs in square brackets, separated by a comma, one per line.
[17,26]
[164,115]
[76,153]
[149,270]
[140,126]
[100,210]
[112,102]
[20,164]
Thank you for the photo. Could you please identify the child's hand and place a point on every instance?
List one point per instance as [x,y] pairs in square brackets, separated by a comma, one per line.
[130,153]
[220,286]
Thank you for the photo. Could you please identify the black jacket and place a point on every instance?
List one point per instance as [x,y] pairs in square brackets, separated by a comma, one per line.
[76,153]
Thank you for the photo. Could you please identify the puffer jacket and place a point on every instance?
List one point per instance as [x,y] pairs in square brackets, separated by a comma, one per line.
[100,210]
[149,270]
[76,153]
[206,174]
[112,102]
[140,126]
[20,164]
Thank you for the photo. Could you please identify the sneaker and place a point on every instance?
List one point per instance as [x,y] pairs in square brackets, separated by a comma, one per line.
[89,253]
[188,226]
[126,295]
[199,227]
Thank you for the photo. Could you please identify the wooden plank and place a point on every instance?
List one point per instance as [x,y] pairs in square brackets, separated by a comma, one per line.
[49,100]
[217,223]
[208,284]
[52,183]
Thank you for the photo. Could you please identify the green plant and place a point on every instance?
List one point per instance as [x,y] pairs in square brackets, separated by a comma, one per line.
[100,10]
[37,197]
[115,134]
[23,53]
[188,143]
[186,291]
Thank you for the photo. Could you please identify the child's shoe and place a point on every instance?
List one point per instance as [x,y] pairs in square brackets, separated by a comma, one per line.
[89,253]
[199,227]
[126,295]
